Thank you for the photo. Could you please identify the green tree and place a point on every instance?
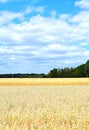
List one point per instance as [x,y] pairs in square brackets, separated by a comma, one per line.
[87,68]
[53,73]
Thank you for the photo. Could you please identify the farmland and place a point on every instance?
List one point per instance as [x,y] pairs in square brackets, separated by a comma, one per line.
[44,108]
[43,81]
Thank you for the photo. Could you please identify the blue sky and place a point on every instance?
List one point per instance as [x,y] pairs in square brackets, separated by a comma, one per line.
[37,36]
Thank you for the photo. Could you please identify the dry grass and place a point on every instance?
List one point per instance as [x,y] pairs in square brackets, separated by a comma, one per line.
[43,81]
[44,108]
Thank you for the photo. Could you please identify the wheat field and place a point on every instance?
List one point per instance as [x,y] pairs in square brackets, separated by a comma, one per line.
[44,108]
[43,81]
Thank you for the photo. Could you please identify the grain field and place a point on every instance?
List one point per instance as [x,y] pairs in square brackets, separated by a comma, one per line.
[44,108]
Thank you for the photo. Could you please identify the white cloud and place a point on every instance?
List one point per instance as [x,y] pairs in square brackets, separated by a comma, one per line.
[3,1]
[40,9]
[84,4]
[7,17]
[31,9]
[84,44]
[43,42]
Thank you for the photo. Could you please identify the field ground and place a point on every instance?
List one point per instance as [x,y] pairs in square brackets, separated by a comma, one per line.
[44,108]
[43,81]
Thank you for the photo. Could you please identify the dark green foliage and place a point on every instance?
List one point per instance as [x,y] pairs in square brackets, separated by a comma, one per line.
[79,71]
[53,73]
[19,75]
[87,69]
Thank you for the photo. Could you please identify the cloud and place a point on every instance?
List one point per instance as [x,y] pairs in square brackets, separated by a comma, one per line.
[32,2]
[84,44]
[37,43]
[40,9]
[31,9]
[8,17]
[3,1]
[84,4]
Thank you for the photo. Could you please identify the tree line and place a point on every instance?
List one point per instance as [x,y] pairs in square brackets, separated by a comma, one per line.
[79,71]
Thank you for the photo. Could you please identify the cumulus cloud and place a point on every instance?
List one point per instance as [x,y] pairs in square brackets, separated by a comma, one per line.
[8,17]
[42,42]
[84,4]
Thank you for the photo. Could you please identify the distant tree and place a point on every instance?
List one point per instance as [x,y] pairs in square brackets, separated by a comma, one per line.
[66,72]
[79,71]
[61,73]
[87,68]
[53,73]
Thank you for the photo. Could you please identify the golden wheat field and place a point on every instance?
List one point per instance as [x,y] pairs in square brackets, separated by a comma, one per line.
[54,107]
[43,81]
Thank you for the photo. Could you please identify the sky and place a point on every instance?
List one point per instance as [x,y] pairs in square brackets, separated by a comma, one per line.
[39,35]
